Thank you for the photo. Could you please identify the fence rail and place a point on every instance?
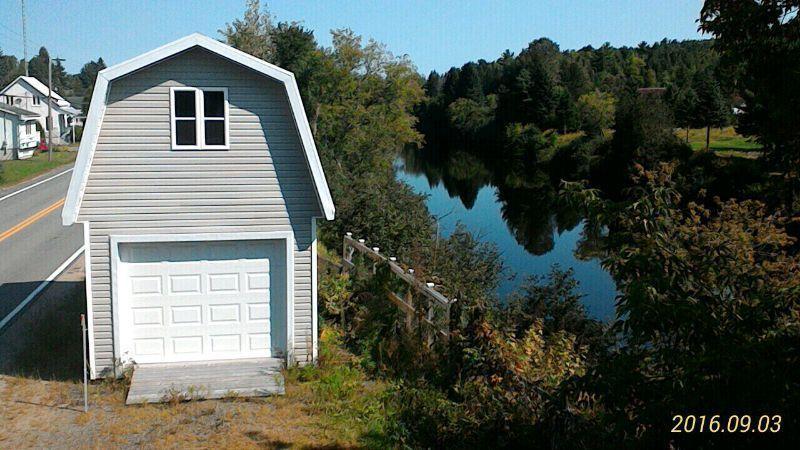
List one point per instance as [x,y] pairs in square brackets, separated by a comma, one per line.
[432,305]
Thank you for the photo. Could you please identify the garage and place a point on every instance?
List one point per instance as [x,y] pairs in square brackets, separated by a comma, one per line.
[180,301]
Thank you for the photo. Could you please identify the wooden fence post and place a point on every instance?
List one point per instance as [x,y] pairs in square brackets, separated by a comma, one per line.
[345,256]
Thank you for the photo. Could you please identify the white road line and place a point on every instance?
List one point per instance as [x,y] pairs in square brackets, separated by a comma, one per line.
[41,287]
[35,184]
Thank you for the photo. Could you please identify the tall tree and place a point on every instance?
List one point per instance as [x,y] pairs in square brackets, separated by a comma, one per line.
[10,68]
[295,49]
[684,105]
[252,33]
[38,68]
[596,111]
[711,109]
[87,78]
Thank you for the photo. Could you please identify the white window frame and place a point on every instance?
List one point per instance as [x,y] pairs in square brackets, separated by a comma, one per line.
[200,118]
[37,100]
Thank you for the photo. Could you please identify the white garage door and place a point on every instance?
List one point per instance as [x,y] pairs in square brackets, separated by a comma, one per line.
[194,301]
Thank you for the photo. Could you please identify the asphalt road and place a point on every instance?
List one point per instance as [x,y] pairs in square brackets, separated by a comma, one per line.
[33,243]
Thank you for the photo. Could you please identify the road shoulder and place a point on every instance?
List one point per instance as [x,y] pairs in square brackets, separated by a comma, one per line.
[44,340]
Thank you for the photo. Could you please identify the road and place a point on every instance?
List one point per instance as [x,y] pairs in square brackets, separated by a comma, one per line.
[33,243]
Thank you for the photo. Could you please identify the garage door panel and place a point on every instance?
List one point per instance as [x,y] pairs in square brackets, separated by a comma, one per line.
[223,283]
[195,310]
[257,281]
[185,284]
[187,345]
[147,316]
[146,285]
[186,314]
[225,313]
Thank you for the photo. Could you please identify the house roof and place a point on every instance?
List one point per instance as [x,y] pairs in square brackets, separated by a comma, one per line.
[97,107]
[19,112]
[38,86]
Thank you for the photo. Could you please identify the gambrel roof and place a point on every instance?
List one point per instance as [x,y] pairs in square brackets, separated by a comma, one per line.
[98,105]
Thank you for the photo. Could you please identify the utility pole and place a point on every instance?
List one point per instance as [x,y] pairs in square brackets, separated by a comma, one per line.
[24,38]
[49,120]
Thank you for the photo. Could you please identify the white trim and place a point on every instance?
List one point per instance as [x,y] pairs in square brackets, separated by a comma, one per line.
[87,243]
[290,246]
[199,118]
[35,85]
[287,236]
[34,185]
[99,100]
[40,288]
[314,302]
[91,131]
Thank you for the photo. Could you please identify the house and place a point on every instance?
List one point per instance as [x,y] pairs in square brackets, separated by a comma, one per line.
[31,94]
[18,134]
[199,186]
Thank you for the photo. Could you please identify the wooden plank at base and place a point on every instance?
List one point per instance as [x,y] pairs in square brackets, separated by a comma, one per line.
[158,383]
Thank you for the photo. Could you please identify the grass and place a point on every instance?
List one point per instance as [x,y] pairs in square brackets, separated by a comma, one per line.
[17,171]
[725,142]
[331,405]
[722,140]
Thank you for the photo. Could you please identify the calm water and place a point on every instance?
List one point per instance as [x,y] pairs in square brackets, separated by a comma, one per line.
[530,236]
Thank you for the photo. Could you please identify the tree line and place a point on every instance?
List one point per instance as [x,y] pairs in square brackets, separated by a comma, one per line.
[576,90]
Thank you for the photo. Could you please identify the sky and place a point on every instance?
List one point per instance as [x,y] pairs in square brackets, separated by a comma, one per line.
[435,34]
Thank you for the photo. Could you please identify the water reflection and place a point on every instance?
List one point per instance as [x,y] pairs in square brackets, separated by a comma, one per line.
[520,212]
[529,204]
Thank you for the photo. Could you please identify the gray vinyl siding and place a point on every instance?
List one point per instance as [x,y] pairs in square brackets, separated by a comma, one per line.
[138,185]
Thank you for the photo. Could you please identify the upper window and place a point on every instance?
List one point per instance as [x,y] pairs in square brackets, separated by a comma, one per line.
[36,100]
[199,118]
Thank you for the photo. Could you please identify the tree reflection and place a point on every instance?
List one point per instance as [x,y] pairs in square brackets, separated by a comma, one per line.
[528,197]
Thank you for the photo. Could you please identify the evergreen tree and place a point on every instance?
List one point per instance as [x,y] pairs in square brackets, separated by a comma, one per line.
[574,78]
[711,108]
[10,68]
[87,78]
[38,68]
[684,105]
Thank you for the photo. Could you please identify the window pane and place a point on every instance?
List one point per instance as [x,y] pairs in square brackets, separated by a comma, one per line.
[185,132]
[184,104]
[214,103]
[215,132]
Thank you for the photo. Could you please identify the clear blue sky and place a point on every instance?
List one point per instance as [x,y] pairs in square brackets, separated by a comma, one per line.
[436,34]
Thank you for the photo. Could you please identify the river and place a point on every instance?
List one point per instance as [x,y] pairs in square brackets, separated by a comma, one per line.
[531,235]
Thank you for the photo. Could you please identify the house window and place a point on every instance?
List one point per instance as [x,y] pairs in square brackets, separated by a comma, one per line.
[9,99]
[199,118]
[28,128]
[37,100]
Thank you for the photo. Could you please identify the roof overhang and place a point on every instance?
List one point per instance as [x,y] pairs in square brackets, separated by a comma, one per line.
[97,108]
[34,85]
[23,114]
